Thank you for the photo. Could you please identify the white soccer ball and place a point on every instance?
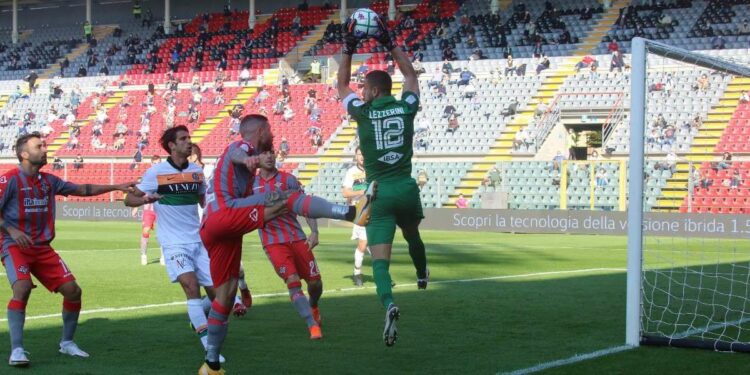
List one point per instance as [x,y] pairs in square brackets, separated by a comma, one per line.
[365,23]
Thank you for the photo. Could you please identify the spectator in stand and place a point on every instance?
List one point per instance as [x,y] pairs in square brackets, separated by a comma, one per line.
[617,62]
[586,61]
[78,162]
[511,109]
[449,110]
[493,178]
[97,144]
[244,79]
[665,20]
[283,149]
[31,80]
[288,113]
[461,202]
[613,46]
[314,74]
[262,96]
[452,124]
[726,161]
[706,180]
[744,97]
[422,178]
[587,14]
[744,29]
[702,84]
[736,180]
[694,176]
[570,143]
[57,164]
[437,76]
[509,67]
[519,139]
[465,76]
[544,64]
[468,91]
[557,161]
[718,42]
[601,177]
[418,67]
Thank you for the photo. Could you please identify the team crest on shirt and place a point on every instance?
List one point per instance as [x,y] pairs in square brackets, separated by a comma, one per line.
[196,176]
[45,188]
[282,270]
[254,214]
[23,269]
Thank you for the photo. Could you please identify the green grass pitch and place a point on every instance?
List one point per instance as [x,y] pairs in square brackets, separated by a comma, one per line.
[543,298]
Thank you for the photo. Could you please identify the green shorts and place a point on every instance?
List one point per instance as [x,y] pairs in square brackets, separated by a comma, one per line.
[397,203]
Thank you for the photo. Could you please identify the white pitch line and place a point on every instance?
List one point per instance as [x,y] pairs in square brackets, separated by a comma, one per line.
[567,361]
[328,292]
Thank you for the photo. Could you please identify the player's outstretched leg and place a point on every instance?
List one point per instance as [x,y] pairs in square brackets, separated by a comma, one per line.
[417,253]
[316,207]
[71,310]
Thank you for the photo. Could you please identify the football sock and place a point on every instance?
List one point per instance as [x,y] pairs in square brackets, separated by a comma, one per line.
[417,253]
[144,245]
[198,319]
[70,312]
[206,305]
[300,302]
[316,207]
[217,332]
[242,283]
[358,258]
[382,281]
[16,318]
[315,290]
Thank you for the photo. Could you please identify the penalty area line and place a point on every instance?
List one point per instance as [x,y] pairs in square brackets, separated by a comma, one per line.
[567,361]
[332,291]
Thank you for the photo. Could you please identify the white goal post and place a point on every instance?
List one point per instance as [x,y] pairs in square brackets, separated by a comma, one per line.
[634,334]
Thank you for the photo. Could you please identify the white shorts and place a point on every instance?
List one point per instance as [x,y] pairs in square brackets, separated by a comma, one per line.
[189,257]
[359,233]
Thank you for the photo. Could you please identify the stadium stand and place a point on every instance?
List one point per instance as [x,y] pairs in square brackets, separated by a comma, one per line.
[509,116]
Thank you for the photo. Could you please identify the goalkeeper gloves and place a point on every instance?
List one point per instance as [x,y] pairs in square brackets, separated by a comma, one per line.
[350,41]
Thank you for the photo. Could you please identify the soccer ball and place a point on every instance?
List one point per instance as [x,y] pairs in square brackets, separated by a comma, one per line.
[365,24]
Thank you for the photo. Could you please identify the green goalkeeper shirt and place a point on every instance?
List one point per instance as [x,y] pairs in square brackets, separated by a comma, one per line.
[385,127]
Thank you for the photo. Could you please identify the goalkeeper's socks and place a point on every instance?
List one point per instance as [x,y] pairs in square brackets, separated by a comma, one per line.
[418,256]
[382,281]
[300,302]
[316,207]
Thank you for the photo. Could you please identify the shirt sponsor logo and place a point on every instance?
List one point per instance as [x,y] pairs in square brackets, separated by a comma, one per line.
[391,157]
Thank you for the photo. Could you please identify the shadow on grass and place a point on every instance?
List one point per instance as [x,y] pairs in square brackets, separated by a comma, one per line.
[459,328]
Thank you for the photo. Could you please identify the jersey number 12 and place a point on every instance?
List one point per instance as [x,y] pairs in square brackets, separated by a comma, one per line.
[389,133]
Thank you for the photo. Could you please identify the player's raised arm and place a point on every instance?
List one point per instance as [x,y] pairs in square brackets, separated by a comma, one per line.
[411,83]
[345,67]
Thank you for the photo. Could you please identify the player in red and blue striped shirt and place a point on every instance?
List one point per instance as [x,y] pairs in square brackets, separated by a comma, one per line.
[287,247]
[27,204]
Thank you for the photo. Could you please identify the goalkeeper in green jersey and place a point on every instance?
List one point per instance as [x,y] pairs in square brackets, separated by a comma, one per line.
[385,127]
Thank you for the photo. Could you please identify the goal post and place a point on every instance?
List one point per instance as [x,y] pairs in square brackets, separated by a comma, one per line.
[686,330]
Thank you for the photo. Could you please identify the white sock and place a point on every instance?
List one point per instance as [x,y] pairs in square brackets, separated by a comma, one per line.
[144,245]
[358,258]
[242,283]
[206,305]
[198,318]
[237,300]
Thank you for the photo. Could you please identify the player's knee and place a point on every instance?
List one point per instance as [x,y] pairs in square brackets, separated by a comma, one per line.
[293,281]
[22,290]
[71,291]
[146,233]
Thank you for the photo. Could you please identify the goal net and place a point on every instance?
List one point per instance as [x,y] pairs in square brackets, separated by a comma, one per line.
[691,286]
